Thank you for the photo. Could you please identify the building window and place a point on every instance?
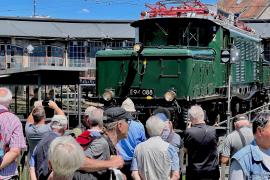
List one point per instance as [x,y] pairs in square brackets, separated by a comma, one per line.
[47,55]
[11,56]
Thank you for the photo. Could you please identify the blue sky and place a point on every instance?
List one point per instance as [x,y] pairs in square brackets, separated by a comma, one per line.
[78,9]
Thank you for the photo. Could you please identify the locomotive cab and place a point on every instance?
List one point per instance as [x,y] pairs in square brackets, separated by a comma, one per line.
[175,32]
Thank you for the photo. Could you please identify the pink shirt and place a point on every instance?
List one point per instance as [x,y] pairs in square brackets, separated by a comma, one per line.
[12,132]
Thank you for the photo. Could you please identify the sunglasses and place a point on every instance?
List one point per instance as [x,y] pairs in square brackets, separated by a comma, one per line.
[262,119]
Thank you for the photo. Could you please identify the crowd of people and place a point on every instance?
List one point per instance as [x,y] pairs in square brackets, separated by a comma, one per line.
[115,145]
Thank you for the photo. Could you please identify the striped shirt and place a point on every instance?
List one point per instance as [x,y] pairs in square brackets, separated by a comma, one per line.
[12,132]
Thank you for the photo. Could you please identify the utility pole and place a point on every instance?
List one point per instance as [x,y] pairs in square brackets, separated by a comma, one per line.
[34,10]
[229,99]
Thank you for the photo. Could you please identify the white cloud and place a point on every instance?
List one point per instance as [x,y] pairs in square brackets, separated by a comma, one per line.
[85,10]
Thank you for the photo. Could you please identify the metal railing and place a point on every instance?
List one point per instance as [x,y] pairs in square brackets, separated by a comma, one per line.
[248,113]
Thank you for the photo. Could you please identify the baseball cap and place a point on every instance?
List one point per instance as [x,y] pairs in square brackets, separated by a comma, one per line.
[115,114]
[59,121]
[261,119]
[162,116]
[164,111]
[128,105]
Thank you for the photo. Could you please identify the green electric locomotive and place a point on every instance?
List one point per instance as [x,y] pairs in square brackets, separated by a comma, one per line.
[184,55]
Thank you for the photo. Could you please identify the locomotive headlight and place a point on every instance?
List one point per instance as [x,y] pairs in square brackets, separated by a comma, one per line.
[108,94]
[169,95]
[138,47]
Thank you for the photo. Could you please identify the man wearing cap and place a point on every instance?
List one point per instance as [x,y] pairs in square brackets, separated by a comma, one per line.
[136,135]
[253,160]
[155,159]
[239,138]
[39,160]
[103,147]
[12,139]
[116,123]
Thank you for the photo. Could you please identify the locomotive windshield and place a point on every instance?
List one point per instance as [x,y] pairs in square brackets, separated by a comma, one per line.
[176,31]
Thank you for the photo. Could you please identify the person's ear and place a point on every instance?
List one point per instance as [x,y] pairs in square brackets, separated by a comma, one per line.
[259,131]
[170,125]
[49,165]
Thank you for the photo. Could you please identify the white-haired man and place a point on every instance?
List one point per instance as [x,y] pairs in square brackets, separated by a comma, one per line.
[65,156]
[38,164]
[155,159]
[136,135]
[239,138]
[12,140]
[200,141]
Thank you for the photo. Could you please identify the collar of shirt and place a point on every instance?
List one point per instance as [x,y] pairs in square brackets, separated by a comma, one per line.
[3,107]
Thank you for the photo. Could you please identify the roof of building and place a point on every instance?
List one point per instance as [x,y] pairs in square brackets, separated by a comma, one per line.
[261,27]
[64,28]
[53,75]
[246,8]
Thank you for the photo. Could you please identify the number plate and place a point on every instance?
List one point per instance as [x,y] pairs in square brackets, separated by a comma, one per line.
[141,92]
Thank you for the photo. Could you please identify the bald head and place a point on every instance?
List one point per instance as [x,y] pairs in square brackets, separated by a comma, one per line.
[5,96]
[241,121]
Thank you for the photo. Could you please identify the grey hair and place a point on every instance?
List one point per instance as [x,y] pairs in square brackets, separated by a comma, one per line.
[5,96]
[96,117]
[38,113]
[196,114]
[155,126]
[59,122]
[65,156]
[110,126]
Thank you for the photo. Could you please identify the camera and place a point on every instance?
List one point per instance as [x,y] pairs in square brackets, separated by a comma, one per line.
[45,103]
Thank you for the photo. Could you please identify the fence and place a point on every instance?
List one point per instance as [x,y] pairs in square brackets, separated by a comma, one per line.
[250,114]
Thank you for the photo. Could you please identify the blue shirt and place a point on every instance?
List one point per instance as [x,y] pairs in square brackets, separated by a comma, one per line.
[250,163]
[136,135]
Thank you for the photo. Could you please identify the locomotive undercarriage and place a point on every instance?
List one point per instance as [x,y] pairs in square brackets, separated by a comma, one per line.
[215,108]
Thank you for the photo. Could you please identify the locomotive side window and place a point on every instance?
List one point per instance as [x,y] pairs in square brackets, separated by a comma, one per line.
[226,41]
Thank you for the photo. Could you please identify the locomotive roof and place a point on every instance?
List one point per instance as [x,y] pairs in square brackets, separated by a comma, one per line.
[233,29]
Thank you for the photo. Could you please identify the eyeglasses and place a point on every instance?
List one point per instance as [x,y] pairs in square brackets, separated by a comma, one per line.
[262,119]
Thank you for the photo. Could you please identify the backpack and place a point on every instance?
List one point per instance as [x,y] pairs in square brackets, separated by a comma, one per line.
[2,149]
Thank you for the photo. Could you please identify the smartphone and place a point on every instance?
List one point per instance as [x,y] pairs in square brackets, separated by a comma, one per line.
[45,103]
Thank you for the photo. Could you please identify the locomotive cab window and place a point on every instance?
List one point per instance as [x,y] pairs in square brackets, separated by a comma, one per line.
[171,32]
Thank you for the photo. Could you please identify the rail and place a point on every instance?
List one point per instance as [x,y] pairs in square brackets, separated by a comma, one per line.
[224,170]
[248,113]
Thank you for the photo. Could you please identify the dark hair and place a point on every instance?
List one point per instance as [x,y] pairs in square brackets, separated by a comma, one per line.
[163,110]
[260,120]
[36,90]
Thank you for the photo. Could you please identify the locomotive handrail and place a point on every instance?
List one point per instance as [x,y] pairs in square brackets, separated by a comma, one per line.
[248,113]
